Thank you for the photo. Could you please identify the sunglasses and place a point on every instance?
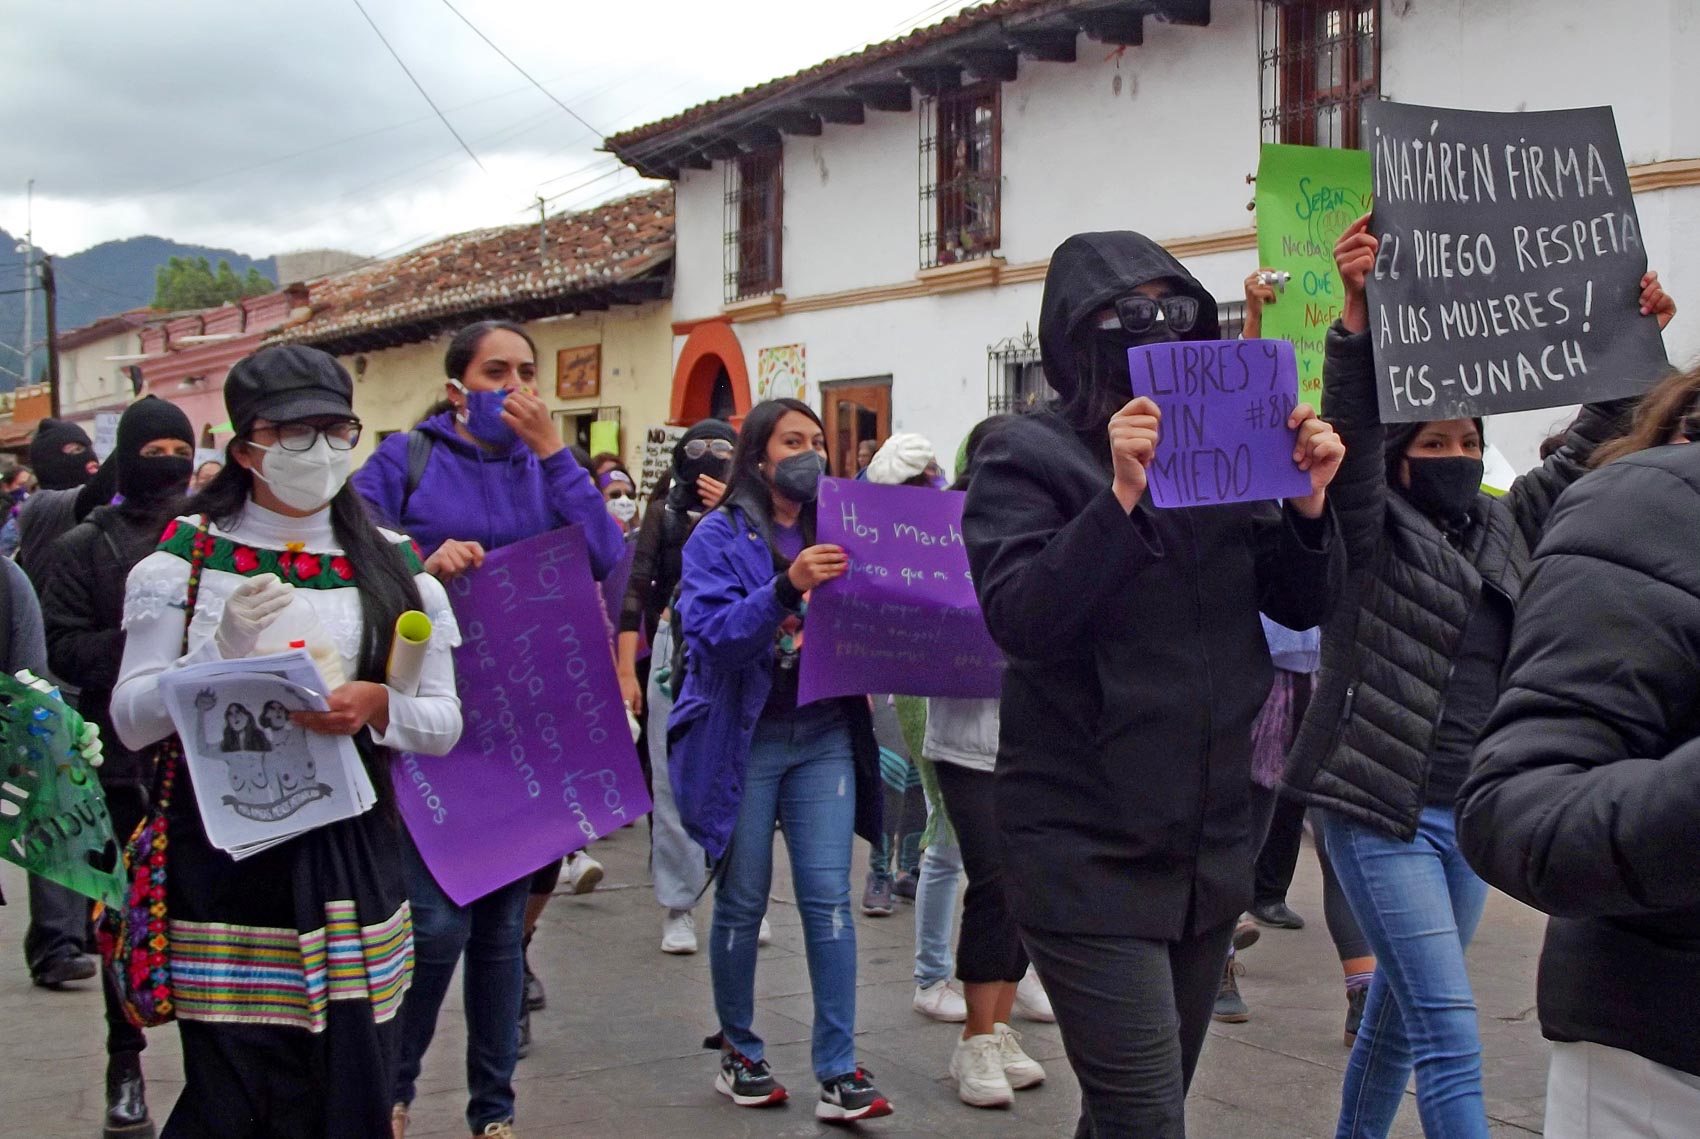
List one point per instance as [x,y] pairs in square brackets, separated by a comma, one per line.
[697,448]
[621,494]
[1137,314]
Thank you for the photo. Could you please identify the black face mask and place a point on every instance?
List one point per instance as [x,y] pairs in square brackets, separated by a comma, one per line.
[152,480]
[1445,489]
[709,464]
[798,477]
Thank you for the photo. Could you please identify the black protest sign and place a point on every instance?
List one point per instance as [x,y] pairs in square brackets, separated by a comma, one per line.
[1510,263]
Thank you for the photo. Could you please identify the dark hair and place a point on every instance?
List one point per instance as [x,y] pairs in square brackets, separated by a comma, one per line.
[1670,406]
[601,457]
[977,436]
[246,738]
[386,585]
[745,484]
[465,344]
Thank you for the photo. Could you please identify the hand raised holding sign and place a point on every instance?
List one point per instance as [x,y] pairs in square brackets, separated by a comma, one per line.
[817,564]
[1134,432]
[1655,301]
[1318,451]
[1354,256]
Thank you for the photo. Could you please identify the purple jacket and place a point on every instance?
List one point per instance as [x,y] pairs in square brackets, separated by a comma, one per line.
[473,495]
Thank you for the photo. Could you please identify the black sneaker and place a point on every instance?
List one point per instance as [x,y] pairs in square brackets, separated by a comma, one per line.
[1277,915]
[847,1098]
[1355,997]
[534,995]
[747,1082]
[63,970]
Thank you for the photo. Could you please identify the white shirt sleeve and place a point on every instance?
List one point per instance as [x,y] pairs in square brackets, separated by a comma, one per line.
[429,723]
[155,598]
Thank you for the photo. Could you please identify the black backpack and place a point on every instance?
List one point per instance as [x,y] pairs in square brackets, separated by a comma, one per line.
[419,447]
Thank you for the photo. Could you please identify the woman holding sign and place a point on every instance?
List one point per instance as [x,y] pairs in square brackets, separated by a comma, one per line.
[487,470]
[277,1042]
[1410,672]
[744,755]
[1136,667]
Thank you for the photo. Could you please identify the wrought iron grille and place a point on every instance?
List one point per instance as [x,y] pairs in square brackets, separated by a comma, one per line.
[754,232]
[1320,61]
[1015,382]
[961,175]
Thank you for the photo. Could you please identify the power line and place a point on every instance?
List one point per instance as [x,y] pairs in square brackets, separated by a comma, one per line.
[420,87]
[520,69]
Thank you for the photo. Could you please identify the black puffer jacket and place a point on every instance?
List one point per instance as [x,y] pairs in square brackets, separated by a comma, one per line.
[1136,659]
[83,608]
[1585,793]
[1363,749]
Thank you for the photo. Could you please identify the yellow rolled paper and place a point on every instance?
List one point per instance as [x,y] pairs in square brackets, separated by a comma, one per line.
[407,652]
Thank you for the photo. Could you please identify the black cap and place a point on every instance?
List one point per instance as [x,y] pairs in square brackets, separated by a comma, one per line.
[287,383]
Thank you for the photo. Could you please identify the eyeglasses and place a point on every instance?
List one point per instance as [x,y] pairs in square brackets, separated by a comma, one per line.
[697,448]
[343,436]
[1138,314]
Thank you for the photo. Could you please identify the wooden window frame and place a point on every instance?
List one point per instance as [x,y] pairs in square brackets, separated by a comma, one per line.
[961,202]
[755,224]
[1296,43]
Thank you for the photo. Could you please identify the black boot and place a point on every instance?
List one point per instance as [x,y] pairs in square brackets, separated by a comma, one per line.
[126,1098]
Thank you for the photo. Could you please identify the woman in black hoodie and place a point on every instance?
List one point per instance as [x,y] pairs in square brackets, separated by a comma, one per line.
[1136,666]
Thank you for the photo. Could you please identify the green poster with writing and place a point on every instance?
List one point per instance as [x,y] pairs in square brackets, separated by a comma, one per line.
[53,819]
[1306,197]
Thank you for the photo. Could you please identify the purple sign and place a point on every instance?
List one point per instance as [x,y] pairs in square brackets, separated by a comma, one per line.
[1225,406]
[545,764]
[904,620]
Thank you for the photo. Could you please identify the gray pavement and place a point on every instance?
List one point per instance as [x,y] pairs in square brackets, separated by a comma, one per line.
[617,1052]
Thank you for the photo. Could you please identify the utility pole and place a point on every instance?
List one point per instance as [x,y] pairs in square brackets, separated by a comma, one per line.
[50,293]
[29,280]
[542,230]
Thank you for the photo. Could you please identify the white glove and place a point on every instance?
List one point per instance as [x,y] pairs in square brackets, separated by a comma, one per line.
[249,611]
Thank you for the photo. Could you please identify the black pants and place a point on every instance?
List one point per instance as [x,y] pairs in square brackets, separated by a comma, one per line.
[1279,857]
[126,804]
[59,924]
[989,947]
[1133,1014]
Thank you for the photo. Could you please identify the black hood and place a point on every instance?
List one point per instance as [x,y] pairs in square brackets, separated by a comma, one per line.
[1087,272]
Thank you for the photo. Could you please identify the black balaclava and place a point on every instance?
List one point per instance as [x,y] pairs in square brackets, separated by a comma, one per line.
[143,482]
[1089,371]
[683,493]
[1442,488]
[54,468]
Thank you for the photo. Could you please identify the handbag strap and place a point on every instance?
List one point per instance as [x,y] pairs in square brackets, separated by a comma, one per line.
[172,750]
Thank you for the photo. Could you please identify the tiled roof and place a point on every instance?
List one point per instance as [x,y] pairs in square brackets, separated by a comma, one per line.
[592,253]
[104,327]
[968,19]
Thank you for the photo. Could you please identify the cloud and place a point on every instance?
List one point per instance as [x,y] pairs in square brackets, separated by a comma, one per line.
[268,126]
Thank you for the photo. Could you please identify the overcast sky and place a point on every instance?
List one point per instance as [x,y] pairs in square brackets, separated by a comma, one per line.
[266,126]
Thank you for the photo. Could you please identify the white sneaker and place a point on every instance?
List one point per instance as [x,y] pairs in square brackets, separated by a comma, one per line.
[1031,1000]
[941,1002]
[977,1068]
[1020,1069]
[679,933]
[583,872]
[764,935]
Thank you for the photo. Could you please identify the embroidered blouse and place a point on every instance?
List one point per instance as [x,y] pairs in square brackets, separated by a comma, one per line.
[303,552]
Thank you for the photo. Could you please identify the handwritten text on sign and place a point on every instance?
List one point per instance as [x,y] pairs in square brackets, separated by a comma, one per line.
[904,620]
[545,764]
[1225,405]
[1510,261]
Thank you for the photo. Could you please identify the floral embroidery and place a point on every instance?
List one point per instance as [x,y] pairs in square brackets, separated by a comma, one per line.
[245,559]
[342,567]
[295,566]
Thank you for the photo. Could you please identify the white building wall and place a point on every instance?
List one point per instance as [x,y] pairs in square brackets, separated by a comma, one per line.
[1165,150]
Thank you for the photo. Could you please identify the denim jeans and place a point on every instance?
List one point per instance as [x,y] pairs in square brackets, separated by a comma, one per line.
[677,864]
[489,931]
[800,773]
[935,909]
[1418,903]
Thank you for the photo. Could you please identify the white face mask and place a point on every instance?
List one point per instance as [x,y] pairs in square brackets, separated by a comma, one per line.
[305,480]
[625,509]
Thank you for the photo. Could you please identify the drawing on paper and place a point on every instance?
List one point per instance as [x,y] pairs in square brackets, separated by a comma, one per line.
[781,373]
[268,760]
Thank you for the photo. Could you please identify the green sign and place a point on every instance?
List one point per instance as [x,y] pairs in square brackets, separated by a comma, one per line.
[1306,197]
[53,819]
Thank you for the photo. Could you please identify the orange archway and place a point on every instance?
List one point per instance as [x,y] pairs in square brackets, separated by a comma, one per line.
[711,349]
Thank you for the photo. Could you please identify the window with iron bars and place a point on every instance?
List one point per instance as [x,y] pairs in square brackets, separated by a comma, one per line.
[755,188]
[1320,61]
[961,175]
[1015,381]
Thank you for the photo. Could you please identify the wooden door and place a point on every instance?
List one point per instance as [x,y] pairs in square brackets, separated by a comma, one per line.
[854,410]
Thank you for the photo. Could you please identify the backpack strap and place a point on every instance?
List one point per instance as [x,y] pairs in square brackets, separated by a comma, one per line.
[419,447]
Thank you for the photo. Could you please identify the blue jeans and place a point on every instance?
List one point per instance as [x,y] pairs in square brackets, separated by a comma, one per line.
[1418,903]
[935,909]
[800,773]
[490,932]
